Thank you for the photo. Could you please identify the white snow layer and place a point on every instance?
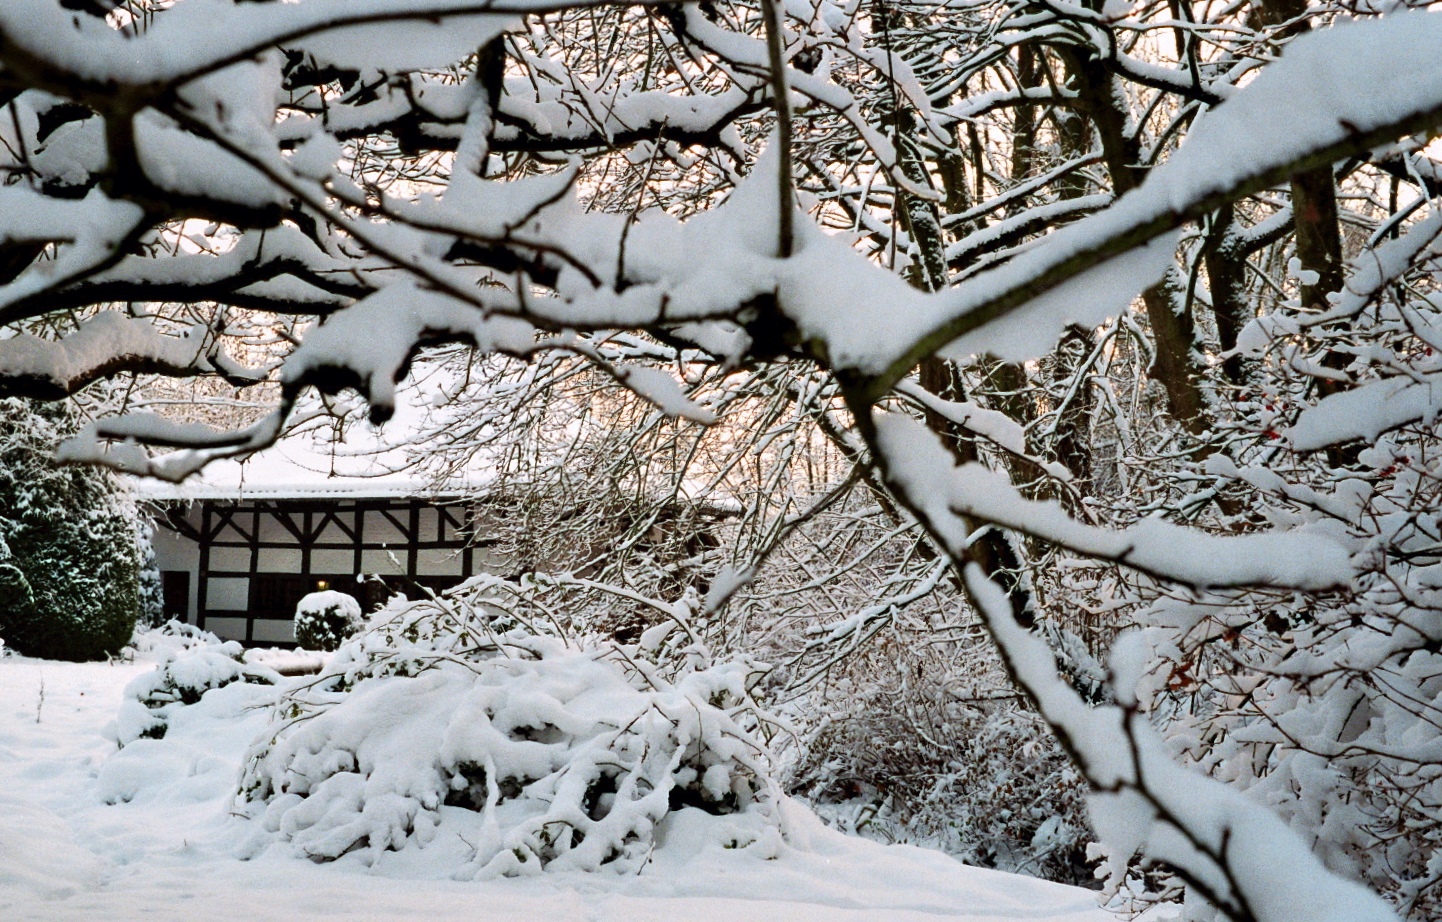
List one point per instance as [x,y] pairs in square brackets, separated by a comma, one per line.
[190,38]
[144,833]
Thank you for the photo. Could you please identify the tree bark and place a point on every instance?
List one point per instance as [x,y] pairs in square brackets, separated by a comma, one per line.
[1175,367]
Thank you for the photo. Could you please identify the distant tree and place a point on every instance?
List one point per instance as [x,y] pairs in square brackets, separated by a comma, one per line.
[69,557]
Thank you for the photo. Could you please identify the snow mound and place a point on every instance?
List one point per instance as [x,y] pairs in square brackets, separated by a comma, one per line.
[39,853]
[170,640]
[536,750]
[191,665]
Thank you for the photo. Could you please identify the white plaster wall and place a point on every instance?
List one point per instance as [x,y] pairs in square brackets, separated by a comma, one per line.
[230,559]
[327,560]
[273,531]
[378,528]
[430,524]
[380,562]
[439,562]
[333,534]
[270,631]
[226,628]
[278,560]
[174,551]
[227,593]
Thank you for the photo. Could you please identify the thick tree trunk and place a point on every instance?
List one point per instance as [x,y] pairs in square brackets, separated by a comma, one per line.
[991,549]
[1226,277]
[1317,224]
[1023,131]
[1072,442]
[1314,192]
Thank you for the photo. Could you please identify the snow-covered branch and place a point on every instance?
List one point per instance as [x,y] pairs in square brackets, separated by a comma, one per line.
[105,346]
[1242,859]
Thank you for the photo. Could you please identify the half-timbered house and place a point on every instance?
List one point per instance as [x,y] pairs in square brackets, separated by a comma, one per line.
[238,548]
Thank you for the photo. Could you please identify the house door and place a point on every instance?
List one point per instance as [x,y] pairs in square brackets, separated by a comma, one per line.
[175,594]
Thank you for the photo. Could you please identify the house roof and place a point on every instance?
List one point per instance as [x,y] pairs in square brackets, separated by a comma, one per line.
[317,460]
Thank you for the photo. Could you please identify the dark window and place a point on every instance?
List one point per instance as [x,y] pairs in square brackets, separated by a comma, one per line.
[275,595]
[175,593]
[376,591]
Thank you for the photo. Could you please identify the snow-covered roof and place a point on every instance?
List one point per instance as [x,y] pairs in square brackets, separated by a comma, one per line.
[278,474]
[314,461]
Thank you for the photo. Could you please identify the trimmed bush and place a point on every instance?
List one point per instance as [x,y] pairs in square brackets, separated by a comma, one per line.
[323,620]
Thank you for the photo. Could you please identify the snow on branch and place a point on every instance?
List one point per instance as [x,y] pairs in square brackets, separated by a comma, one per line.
[993,425]
[1367,411]
[105,345]
[1370,273]
[278,269]
[116,443]
[369,346]
[1334,93]
[1241,858]
[199,37]
[88,235]
[948,496]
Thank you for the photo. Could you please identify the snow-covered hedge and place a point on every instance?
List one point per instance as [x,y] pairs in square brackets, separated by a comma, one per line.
[536,749]
[323,620]
[194,662]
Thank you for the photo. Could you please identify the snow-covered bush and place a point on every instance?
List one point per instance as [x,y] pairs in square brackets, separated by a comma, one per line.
[189,670]
[151,589]
[535,749]
[171,639]
[323,620]
[69,559]
[885,746]
[980,780]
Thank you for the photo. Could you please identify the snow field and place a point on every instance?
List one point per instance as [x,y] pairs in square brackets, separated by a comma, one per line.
[87,832]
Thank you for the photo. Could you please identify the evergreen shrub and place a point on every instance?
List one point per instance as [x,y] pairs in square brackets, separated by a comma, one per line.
[69,558]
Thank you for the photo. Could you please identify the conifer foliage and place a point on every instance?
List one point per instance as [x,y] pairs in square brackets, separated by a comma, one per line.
[69,556]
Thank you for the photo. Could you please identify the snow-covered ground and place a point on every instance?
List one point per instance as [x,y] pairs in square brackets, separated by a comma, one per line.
[87,832]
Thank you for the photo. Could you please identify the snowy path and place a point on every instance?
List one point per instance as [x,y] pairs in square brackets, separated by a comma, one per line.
[168,852]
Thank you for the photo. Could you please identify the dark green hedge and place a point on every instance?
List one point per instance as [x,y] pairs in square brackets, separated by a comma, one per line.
[69,555]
